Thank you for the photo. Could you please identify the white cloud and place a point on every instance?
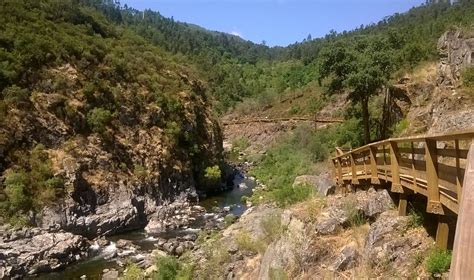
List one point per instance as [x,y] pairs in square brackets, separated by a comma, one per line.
[236,33]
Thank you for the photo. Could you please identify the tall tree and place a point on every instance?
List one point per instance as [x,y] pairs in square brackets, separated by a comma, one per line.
[361,68]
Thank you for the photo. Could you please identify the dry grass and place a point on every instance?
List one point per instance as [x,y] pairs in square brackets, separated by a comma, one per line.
[308,211]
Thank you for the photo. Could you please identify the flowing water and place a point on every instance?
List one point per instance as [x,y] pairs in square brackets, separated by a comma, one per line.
[93,267]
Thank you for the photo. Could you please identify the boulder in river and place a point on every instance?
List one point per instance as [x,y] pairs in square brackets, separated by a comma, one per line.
[31,251]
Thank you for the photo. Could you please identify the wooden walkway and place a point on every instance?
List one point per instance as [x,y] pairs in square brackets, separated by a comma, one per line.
[276,120]
[433,166]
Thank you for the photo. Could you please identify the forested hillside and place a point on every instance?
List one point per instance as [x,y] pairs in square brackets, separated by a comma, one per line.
[236,68]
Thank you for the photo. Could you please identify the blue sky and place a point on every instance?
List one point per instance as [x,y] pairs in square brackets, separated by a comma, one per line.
[278,22]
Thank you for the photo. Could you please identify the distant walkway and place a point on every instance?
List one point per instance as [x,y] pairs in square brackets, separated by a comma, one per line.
[277,120]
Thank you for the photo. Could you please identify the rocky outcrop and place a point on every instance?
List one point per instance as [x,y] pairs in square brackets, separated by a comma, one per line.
[323,184]
[390,241]
[456,49]
[30,251]
[336,216]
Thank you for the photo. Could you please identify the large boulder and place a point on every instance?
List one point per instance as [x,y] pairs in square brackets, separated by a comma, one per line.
[30,251]
[323,184]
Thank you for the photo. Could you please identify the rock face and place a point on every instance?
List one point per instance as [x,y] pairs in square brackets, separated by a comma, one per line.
[390,240]
[369,203]
[30,251]
[457,51]
[324,183]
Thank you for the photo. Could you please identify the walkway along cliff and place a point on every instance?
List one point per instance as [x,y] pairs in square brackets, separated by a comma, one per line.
[433,166]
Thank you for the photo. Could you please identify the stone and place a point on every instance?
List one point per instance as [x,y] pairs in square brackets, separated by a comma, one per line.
[348,258]
[110,275]
[331,221]
[233,249]
[373,203]
[324,183]
[42,252]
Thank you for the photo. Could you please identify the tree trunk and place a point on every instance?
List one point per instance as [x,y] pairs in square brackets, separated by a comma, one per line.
[366,119]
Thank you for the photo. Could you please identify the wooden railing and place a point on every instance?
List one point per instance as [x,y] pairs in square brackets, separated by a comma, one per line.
[432,166]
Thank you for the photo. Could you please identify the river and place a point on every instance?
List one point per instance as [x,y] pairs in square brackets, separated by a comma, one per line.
[93,267]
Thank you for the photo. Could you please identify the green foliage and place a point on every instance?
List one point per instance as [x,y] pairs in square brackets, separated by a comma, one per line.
[170,268]
[31,186]
[230,219]
[249,244]
[140,171]
[98,119]
[277,273]
[241,143]
[212,175]
[133,272]
[355,217]
[468,80]
[295,155]
[272,227]
[400,127]
[438,261]
[415,218]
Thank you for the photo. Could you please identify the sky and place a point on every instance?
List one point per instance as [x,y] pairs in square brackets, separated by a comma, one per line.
[277,22]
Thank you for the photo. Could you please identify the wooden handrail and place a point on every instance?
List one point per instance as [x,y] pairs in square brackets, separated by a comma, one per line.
[413,165]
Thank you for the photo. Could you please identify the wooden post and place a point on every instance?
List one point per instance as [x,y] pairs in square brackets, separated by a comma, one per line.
[354,170]
[373,165]
[413,168]
[339,170]
[402,205]
[431,157]
[395,168]
[463,253]
[442,232]
[458,172]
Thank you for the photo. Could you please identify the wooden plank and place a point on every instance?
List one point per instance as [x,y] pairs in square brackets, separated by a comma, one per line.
[463,253]
[454,153]
[409,150]
[434,205]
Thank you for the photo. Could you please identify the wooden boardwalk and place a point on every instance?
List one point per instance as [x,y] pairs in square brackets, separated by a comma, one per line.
[277,120]
[432,166]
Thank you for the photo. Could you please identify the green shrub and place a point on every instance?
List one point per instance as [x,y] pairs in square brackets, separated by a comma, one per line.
[438,261]
[98,119]
[247,243]
[15,95]
[230,219]
[212,175]
[16,185]
[133,272]
[400,127]
[355,217]
[277,273]
[287,194]
[415,219]
[272,227]
[468,77]
[241,143]
[140,171]
[168,268]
